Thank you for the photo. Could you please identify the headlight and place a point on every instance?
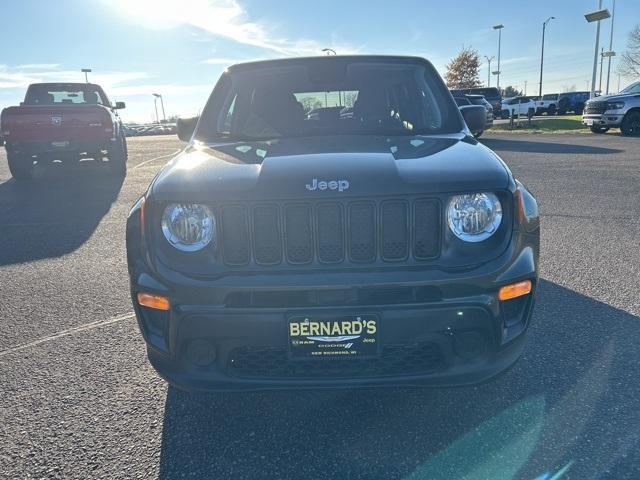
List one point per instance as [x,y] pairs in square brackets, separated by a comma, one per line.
[615,105]
[188,226]
[474,217]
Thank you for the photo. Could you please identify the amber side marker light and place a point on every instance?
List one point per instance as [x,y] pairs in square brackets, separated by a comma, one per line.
[153,301]
[515,290]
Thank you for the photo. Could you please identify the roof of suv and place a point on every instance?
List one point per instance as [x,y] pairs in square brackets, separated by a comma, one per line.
[328,59]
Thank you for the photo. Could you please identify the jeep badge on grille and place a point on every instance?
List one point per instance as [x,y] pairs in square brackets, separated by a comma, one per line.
[340,185]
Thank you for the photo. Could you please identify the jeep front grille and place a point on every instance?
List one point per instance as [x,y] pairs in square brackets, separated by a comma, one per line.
[333,232]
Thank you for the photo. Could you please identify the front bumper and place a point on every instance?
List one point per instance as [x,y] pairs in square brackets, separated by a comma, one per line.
[606,119]
[436,328]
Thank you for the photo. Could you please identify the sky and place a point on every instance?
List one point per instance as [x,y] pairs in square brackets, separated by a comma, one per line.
[179,48]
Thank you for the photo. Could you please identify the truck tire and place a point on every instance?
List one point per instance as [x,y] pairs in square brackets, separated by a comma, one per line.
[630,126]
[530,113]
[118,157]
[20,166]
[599,129]
[551,110]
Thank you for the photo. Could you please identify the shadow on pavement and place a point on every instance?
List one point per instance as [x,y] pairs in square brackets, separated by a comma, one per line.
[572,403]
[54,214]
[517,145]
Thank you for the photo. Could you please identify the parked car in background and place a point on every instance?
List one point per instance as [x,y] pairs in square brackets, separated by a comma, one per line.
[516,106]
[547,104]
[491,95]
[619,110]
[572,102]
[63,121]
[464,100]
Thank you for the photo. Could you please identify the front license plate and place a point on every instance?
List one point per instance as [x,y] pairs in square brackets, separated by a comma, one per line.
[341,337]
[60,144]
[588,121]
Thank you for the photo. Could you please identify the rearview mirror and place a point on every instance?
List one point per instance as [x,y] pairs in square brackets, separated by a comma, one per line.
[119,105]
[186,127]
[475,117]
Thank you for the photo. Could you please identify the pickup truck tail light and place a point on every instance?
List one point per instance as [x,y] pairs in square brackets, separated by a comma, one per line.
[107,123]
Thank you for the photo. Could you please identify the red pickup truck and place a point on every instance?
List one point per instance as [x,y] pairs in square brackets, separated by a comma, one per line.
[63,121]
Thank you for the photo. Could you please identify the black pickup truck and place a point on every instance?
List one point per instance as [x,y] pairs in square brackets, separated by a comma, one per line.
[372,241]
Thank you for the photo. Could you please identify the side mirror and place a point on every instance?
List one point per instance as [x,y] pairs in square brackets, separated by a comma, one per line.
[475,117]
[120,105]
[186,127]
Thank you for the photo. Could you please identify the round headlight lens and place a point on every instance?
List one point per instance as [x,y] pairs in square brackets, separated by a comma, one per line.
[188,226]
[474,217]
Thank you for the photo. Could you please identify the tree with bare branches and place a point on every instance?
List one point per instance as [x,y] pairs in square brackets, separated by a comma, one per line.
[630,64]
[464,70]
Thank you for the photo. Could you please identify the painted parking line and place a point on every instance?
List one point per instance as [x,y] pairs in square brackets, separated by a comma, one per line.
[67,332]
[154,159]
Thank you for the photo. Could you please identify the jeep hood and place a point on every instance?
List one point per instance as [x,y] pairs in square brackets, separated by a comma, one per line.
[290,168]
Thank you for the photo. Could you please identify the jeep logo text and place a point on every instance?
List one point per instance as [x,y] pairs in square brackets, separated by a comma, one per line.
[340,185]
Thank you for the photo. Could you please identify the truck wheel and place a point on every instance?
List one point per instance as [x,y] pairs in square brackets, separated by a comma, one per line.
[631,124]
[530,113]
[551,110]
[118,157]
[579,110]
[20,166]
[599,129]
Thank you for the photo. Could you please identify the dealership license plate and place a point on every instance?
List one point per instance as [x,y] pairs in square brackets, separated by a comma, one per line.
[340,337]
[60,144]
[588,121]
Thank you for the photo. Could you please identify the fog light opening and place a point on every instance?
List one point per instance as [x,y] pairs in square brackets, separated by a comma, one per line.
[150,300]
[515,290]
[201,352]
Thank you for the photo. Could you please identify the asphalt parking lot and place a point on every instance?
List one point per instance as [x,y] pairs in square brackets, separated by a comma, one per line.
[78,399]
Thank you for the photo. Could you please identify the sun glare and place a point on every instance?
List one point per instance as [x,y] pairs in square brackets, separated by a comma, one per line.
[154,13]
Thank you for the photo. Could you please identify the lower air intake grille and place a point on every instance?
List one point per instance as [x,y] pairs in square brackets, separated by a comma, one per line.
[394,360]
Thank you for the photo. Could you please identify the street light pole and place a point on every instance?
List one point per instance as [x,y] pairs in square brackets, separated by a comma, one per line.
[158,96]
[489,72]
[544,27]
[85,71]
[596,16]
[155,105]
[525,88]
[601,62]
[499,27]
[613,15]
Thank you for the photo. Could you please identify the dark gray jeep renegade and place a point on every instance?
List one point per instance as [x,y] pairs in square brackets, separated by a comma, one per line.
[332,222]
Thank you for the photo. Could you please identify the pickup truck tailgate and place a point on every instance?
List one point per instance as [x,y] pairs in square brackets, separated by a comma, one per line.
[75,123]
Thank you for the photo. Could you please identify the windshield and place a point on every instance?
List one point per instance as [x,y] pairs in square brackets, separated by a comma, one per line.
[633,88]
[64,94]
[550,96]
[329,98]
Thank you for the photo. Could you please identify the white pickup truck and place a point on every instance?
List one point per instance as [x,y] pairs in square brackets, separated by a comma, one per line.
[516,106]
[548,103]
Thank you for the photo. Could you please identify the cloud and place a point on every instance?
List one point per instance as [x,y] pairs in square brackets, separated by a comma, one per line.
[220,61]
[38,66]
[222,18]
[21,76]
[164,89]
